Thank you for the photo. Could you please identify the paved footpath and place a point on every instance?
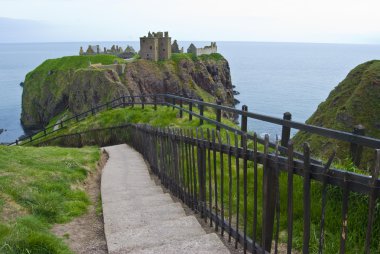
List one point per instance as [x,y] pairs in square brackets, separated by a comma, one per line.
[140,218]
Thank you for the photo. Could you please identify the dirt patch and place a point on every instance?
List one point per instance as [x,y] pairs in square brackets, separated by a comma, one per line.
[85,234]
[11,210]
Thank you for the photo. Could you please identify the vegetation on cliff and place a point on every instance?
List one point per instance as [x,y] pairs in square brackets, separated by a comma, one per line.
[356,100]
[70,83]
[40,187]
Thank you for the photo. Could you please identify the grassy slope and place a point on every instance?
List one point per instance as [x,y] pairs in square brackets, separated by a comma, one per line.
[39,187]
[354,101]
[167,117]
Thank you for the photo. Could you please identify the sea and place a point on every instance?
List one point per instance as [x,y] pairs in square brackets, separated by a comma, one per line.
[271,78]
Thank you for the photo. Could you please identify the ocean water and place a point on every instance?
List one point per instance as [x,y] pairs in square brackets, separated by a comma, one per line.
[272,78]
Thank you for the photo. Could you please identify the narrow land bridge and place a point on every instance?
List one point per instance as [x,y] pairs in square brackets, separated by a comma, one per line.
[140,218]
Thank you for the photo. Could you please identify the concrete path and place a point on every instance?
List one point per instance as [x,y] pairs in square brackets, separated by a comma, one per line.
[140,218]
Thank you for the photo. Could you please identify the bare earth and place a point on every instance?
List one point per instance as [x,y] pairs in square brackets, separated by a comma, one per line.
[85,234]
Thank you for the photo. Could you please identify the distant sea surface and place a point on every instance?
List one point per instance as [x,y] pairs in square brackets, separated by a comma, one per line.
[272,78]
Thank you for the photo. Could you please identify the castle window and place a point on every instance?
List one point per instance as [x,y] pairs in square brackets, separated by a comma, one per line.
[163,49]
[150,47]
[143,41]
[147,55]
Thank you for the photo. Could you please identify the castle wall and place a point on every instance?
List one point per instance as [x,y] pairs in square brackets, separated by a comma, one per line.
[149,48]
[164,48]
[206,51]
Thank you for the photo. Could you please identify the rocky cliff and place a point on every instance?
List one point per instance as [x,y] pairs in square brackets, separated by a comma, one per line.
[76,83]
[356,100]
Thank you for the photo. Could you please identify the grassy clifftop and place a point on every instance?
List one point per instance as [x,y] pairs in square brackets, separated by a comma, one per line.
[69,83]
[356,100]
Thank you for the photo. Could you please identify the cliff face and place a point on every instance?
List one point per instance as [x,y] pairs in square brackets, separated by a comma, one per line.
[56,85]
[356,100]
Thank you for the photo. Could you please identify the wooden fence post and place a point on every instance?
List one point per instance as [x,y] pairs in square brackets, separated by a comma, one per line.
[191,110]
[218,114]
[155,102]
[355,149]
[180,111]
[201,108]
[244,121]
[285,135]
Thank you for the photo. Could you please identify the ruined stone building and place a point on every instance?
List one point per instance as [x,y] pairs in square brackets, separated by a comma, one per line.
[156,46]
[115,50]
[203,51]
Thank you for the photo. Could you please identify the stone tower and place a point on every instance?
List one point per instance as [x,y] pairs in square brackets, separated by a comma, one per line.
[155,46]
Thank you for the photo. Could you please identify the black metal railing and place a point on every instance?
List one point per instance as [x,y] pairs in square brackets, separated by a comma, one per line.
[247,191]
[357,140]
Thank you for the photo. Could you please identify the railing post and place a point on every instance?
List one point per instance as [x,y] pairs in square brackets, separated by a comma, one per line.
[201,108]
[244,121]
[270,177]
[61,123]
[124,101]
[202,175]
[180,111]
[133,101]
[92,110]
[77,118]
[191,110]
[285,135]
[355,149]
[142,98]
[218,114]
[44,132]
[155,102]
[173,102]
[16,142]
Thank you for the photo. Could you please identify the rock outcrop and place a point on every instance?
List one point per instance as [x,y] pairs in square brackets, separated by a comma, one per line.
[56,86]
[355,101]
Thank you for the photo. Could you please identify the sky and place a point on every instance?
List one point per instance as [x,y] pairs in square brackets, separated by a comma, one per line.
[320,21]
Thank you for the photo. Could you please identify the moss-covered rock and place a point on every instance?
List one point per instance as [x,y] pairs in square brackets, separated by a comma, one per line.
[356,100]
[72,83]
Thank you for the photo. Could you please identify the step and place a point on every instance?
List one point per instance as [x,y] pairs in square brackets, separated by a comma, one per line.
[209,243]
[143,217]
[155,235]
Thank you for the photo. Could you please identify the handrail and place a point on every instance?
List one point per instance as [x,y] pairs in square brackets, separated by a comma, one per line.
[182,161]
[329,133]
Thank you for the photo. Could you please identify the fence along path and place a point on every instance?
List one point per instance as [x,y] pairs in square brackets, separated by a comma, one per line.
[181,159]
[140,218]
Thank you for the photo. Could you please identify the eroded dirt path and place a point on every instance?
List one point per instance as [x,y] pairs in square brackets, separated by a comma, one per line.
[85,234]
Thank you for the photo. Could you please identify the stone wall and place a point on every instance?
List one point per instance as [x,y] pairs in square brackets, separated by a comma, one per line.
[203,51]
[155,46]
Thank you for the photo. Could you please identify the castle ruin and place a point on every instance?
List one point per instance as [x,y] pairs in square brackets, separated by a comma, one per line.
[156,46]
[203,51]
[115,50]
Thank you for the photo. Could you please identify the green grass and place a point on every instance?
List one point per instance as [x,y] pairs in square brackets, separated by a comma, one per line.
[163,117]
[75,62]
[177,57]
[167,117]
[354,101]
[40,187]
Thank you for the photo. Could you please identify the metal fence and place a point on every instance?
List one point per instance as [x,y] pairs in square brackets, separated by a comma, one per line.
[219,175]
[246,186]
